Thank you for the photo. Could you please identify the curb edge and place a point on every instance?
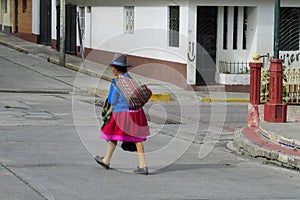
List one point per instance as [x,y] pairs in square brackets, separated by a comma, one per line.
[231,100]
[244,145]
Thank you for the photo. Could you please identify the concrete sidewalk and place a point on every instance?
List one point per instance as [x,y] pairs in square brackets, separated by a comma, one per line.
[277,142]
[88,67]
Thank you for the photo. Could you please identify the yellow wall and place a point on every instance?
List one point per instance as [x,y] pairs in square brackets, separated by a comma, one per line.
[8,15]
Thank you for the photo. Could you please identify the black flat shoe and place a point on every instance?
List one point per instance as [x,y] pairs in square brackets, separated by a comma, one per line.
[143,171]
[99,160]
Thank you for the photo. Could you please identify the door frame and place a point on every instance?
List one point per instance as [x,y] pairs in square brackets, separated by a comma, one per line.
[16,15]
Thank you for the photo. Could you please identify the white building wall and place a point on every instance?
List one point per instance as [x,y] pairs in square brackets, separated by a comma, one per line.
[104,29]
[36,17]
[265,30]
[252,32]
[290,3]
[87,35]
[260,36]
[259,33]
[150,38]
[239,54]
[106,24]
[53,19]
[191,51]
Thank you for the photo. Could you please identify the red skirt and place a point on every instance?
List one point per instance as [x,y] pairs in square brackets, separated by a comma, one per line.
[130,126]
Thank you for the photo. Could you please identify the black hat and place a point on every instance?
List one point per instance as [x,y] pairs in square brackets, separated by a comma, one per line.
[120,60]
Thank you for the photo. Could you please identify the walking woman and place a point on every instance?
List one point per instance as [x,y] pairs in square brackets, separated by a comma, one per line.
[125,124]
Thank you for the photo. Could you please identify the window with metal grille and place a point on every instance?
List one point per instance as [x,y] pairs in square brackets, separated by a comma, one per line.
[245,27]
[174,26]
[235,27]
[239,36]
[129,19]
[289,29]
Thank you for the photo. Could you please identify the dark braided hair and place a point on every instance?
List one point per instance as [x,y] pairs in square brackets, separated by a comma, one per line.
[121,69]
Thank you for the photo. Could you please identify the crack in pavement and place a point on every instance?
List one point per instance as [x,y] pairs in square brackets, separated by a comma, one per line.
[30,182]
[36,91]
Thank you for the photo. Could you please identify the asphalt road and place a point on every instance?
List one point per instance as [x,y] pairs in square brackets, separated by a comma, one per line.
[50,132]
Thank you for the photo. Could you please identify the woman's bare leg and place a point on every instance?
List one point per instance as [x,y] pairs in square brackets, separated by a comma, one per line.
[110,150]
[141,153]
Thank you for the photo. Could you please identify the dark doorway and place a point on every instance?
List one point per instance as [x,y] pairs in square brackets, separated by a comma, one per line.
[45,24]
[207,44]
[70,43]
[16,16]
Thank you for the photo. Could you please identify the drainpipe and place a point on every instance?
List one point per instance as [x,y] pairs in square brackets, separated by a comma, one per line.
[62,57]
[2,15]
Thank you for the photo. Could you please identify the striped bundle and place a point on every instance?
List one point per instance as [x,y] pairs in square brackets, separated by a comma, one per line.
[136,94]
